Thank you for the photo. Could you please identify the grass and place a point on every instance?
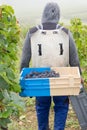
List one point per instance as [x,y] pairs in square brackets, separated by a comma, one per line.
[28,120]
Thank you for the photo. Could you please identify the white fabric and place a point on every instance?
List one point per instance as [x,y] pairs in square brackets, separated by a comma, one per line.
[50,41]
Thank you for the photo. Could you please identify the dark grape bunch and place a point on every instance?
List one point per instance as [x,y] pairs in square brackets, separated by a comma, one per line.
[45,74]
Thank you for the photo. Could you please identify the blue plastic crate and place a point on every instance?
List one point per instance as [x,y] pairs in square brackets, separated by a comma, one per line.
[34,86]
[67,84]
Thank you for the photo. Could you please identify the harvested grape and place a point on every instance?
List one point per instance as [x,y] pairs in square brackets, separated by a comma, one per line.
[45,74]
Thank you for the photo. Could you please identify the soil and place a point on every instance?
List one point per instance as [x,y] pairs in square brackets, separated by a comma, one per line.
[28,120]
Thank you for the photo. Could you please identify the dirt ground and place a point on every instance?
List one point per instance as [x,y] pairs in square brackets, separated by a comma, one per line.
[28,121]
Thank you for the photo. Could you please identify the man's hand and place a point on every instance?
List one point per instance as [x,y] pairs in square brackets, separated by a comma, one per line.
[82,81]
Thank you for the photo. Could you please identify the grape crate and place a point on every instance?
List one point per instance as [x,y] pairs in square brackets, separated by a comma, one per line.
[55,81]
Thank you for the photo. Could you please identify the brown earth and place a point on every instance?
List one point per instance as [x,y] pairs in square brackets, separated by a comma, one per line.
[28,121]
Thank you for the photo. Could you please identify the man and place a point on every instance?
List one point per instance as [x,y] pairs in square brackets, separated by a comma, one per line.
[50,45]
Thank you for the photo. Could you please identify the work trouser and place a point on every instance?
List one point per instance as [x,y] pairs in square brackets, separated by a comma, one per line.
[61,104]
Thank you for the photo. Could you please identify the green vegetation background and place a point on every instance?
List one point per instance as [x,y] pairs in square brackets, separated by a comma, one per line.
[12,37]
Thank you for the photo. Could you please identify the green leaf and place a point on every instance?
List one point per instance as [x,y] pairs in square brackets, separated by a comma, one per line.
[7,113]
[1,68]
[7,97]
[2,25]
[4,122]
[1,96]
[9,9]
[0,114]
[15,87]
[3,83]
[17,100]
[10,74]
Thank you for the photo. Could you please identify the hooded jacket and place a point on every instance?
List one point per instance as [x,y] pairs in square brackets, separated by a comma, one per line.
[49,21]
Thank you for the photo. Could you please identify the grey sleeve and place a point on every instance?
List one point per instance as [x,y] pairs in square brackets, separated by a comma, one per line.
[73,55]
[26,53]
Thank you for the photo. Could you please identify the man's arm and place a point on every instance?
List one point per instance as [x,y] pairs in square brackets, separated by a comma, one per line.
[26,53]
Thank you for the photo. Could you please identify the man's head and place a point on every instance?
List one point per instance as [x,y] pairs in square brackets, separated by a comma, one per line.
[51,13]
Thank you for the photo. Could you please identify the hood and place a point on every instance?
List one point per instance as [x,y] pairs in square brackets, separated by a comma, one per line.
[51,13]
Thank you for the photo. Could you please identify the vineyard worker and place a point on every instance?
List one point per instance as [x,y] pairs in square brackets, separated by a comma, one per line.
[49,45]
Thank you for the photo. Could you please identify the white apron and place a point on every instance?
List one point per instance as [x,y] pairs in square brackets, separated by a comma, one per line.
[50,48]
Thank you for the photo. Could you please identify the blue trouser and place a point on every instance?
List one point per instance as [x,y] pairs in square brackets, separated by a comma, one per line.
[60,108]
